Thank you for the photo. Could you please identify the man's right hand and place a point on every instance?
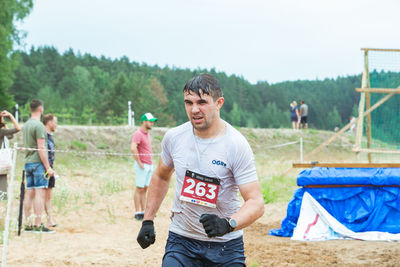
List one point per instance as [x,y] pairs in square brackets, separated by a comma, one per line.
[50,172]
[147,234]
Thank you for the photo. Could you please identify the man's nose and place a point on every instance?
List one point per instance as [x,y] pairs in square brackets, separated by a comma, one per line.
[195,108]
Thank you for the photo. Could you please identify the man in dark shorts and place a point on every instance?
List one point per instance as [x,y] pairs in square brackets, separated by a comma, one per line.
[37,168]
[212,163]
[50,123]
[303,114]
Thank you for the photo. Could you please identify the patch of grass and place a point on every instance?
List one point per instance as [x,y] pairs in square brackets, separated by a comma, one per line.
[111,214]
[61,198]
[277,135]
[252,135]
[254,263]
[312,131]
[79,145]
[278,189]
[88,198]
[102,146]
[111,186]
[158,138]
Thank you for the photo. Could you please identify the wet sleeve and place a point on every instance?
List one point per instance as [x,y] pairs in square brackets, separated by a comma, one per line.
[166,154]
[243,168]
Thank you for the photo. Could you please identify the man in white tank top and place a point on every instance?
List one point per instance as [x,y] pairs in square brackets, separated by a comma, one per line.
[212,163]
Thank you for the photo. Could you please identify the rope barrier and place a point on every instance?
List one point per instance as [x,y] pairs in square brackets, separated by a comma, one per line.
[87,152]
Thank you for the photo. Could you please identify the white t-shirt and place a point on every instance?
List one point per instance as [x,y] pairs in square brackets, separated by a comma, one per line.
[228,158]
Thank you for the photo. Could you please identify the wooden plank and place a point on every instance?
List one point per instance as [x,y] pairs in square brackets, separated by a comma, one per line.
[379,90]
[380,151]
[381,49]
[346,165]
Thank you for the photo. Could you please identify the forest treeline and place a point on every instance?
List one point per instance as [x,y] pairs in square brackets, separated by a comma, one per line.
[82,89]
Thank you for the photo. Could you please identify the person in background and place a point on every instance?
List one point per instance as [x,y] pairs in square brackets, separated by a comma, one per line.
[9,133]
[37,168]
[50,123]
[141,151]
[303,114]
[294,115]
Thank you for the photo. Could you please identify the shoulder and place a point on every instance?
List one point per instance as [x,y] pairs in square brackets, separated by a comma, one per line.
[236,138]
[179,130]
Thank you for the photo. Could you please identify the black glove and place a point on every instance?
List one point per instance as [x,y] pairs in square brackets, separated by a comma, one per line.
[214,225]
[147,234]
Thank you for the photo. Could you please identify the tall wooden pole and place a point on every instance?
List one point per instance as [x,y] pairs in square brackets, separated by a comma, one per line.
[361,106]
[368,105]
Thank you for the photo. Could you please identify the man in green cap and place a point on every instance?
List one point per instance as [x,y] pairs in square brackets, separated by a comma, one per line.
[141,151]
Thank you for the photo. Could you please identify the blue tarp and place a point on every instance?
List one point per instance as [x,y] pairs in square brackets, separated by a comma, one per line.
[375,207]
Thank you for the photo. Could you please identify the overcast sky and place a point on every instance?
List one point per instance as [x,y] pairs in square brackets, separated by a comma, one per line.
[260,40]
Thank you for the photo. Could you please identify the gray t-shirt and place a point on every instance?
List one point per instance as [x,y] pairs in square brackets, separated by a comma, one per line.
[228,158]
[304,110]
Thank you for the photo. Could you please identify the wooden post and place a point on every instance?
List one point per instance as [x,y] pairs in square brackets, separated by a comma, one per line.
[361,106]
[368,105]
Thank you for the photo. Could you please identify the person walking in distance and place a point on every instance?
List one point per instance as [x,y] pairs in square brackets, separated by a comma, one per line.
[141,150]
[212,162]
[50,123]
[37,167]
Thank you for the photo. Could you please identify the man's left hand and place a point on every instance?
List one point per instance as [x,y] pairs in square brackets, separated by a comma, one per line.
[214,225]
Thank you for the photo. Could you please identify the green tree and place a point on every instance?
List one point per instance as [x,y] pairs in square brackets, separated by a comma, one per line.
[235,115]
[333,119]
[10,12]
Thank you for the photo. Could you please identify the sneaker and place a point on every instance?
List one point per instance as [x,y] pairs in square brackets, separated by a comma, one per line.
[42,230]
[28,228]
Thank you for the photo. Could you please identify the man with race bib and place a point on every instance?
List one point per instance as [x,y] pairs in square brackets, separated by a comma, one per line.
[212,163]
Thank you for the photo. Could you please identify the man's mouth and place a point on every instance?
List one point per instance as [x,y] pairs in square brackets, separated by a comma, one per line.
[197,119]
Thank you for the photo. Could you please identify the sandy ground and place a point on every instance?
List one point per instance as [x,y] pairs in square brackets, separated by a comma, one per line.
[91,236]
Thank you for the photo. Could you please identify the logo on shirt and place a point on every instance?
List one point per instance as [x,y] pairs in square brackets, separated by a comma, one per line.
[218,162]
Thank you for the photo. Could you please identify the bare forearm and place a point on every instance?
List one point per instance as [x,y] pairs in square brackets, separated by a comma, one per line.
[135,154]
[249,212]
[157,190]
[16,125]
[43,158]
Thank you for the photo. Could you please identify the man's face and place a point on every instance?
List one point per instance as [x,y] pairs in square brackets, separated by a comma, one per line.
[53,124]
[202,110]
[148,124]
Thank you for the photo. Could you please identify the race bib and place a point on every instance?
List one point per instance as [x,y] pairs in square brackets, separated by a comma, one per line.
[200,189]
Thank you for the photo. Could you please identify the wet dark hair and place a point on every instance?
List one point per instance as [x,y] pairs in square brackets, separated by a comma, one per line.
[35,104]
[47,118]
[204,84]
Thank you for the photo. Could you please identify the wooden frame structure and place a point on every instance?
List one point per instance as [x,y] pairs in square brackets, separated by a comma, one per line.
[364,110]
[365,103]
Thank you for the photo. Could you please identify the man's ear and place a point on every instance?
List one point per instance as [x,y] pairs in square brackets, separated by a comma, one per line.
[220,102]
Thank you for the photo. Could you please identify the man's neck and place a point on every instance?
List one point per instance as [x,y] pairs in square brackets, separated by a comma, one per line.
[144,129]
[216,130]
[35,116]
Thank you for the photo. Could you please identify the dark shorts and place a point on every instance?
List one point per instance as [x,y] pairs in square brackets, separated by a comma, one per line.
[183,251]
[35,176]
[52,182]
[303,119]
[293,119]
